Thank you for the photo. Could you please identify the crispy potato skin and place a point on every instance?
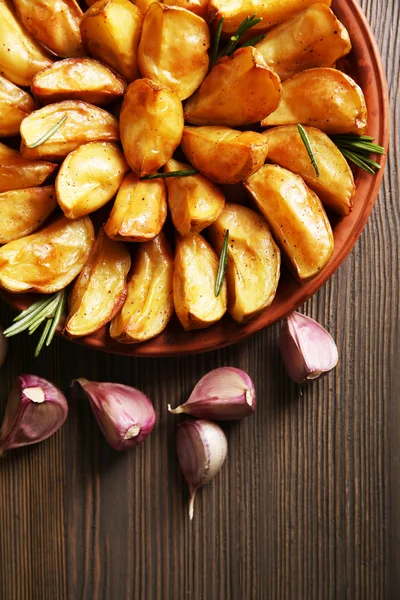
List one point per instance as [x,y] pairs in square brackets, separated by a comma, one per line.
[151,123]
[323,98]
[257,91]
[111,32]
[254,260]
[89,177]
[23,211]
[17,172]
[83,79]
[15,105]
[198,7]
[149,305]
[139,210]
[296,217]
[85,123]
[224,155]
[173,49]
[21,57]
[312,38]
[100,290]
[195,273]
[53,23]
[335,184]
[48,260]
[194,201]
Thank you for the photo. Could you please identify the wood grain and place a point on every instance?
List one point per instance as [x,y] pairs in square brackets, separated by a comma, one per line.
[308,503]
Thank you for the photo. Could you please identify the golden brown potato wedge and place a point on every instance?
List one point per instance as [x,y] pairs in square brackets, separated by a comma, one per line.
[254,260]
[151,122]
[173,49]
[149,304]
[15,105]
[23,211]
[17,172]
[296,217]
[195,274]
[194,201]
[272,12]
[224,155]
[89,177]
[198,7]
[100,290]
[139,210]
[21,57]
[335,183]
[83,79]
[257,91]
[83,123]
[323,98]
[111,32]
[53,23]
[48,260]
[312,38]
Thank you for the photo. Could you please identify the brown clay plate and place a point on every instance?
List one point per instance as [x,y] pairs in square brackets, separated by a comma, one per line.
[365,66]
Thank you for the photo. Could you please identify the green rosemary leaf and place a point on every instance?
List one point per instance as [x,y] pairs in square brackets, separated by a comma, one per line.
[357,160]
[306,142]
[27,319]
[42,338]
[181,173]
[245,25]
[223,262]
[32,308]
[49,133]
[253,41]
[366,147]
[351,136]
[57,316]
[45,314]
[216,41]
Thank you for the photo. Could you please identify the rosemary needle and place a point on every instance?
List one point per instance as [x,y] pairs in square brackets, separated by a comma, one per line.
[357,149]
[48,134]
[223,262]
[214,50]
[306,142]
[181,173]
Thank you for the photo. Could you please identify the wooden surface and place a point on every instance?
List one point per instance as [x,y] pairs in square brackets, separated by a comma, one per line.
[308,503]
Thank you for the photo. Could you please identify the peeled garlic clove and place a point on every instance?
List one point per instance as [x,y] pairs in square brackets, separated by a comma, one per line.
[308,350]
[201,447]
[124,414]
[223,394]
[35,410]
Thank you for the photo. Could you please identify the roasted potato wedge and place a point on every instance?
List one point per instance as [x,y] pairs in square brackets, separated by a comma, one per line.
[296,217]
[254,260]
[324,98]
[149,304]
[151,122]
[21,57]
[15,105]
[257,91]
[23,211]
[224,155]
[89,177]
[53,23]
[100,290]
[335,183]
[195,274]
[84,123]
[111,32]
[170,33]
[198,7]
[194,201]
[312,38]
[139,210]
[17,172]
[48,260]
[78,79]
[272,12]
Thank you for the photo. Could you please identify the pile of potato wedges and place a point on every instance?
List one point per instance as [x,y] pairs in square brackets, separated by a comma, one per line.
[97,96]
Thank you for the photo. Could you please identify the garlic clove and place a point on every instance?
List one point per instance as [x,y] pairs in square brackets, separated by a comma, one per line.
[124,414]
[201,447]
[225,394]
[308,350]
[35,410]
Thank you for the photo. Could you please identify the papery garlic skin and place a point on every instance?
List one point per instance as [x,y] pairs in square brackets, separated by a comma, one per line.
[124,414]
[35,410]
[223,394]
[308,350]
[201,447]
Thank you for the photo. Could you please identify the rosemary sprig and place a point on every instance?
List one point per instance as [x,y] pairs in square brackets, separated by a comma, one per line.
[223,262]
[247,23]
[49,133]
[215,44]
[49,309]
[306,142]
[357,149]
[181,173]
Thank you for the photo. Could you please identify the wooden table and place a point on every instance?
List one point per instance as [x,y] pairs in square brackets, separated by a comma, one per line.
[308,503]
